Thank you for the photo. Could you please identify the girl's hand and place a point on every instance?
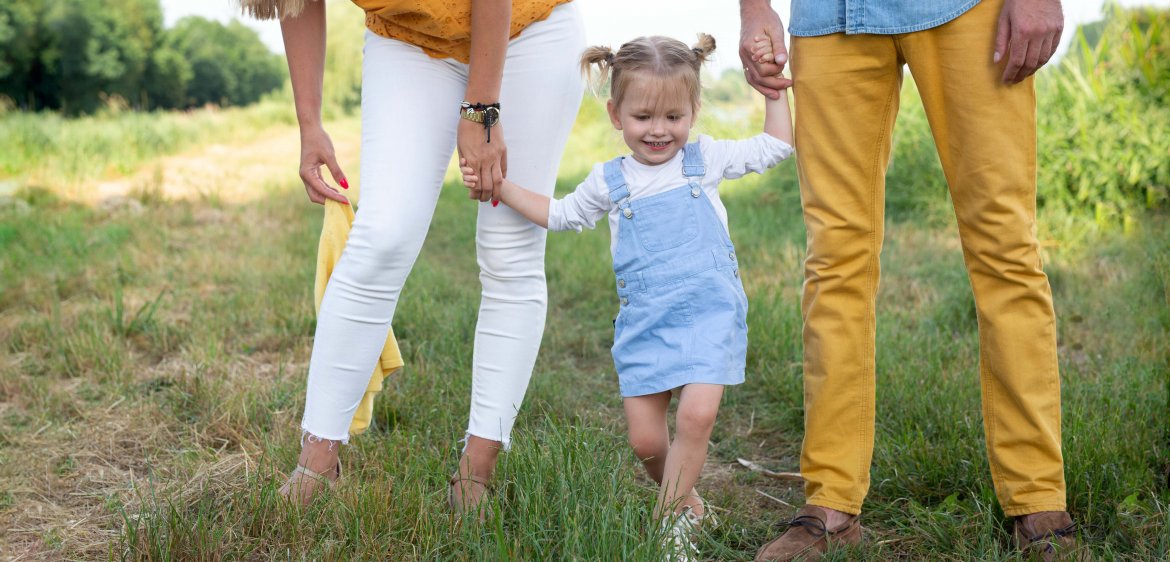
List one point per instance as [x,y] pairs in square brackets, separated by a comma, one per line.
[488,161]
[317,151]
[470,180]
[762,50]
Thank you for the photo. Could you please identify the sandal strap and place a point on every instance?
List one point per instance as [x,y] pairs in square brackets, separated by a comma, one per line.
[470,477]
[305,471]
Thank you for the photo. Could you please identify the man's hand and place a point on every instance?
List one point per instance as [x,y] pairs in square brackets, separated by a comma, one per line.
[1028,32]
[759,21]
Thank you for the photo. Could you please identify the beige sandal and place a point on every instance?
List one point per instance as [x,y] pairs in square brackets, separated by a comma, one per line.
[459,506]
[297,480]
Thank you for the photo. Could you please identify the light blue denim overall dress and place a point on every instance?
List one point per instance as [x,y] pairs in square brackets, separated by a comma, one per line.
[683,315]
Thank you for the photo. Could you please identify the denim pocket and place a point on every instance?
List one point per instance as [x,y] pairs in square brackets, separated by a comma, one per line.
[666,224]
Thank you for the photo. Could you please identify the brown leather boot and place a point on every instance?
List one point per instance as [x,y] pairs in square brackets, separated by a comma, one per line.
[807,538]
[1048,536]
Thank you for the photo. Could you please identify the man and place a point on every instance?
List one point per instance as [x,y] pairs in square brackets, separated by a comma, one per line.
[972,62]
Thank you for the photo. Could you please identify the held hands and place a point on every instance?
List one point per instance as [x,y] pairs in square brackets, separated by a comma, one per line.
[1028,32]
[487,161]
[317,151]
[761,52]
[471,181]
[758,23]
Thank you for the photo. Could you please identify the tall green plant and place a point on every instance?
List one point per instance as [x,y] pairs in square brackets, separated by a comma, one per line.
[1104,145]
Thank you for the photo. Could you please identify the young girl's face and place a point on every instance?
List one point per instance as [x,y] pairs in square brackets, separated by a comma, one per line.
[655,118]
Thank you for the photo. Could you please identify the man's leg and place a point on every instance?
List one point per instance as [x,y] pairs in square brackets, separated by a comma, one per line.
[846,97]
[846,94]
[986,135]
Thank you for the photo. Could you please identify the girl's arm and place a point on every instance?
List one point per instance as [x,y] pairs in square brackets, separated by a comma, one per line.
[491,21]
[304,46]
[533,206]
[778,117]
[578,210]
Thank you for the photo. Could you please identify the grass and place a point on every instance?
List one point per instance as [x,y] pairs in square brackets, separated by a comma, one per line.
[50,151]
[153,362]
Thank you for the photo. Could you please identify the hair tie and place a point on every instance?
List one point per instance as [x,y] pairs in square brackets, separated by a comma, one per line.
[609,57]
[698,52]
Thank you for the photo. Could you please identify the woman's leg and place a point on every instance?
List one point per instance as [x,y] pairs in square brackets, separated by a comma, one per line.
[541,92]
[698,405]
[408,135]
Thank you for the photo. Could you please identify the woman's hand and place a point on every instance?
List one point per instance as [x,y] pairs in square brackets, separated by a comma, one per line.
[317,151]
[488,161]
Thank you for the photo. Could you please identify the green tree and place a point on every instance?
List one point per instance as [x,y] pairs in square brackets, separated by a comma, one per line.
[95,48]
[229,64]
[19,44]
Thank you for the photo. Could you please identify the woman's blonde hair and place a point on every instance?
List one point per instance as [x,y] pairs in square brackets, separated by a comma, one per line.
[660,57]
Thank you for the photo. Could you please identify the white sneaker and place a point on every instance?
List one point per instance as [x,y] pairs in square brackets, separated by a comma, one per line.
[706,521]
[677,537]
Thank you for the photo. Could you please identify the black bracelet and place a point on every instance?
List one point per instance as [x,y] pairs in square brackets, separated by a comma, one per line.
[486,113]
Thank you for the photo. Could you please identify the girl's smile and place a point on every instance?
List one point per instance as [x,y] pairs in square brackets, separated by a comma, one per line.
[655,118]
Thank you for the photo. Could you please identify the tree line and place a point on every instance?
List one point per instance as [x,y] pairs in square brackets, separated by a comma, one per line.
[77,55]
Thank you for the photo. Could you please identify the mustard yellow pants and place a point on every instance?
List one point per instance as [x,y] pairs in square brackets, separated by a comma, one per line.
[846,97]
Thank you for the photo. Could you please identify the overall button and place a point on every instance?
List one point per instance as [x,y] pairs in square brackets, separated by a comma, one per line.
[625,301]
[622,283]
[735,272]
[628,213]
[695,191]
[732,256]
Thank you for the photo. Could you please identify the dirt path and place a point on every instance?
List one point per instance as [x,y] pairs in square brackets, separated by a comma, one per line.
[229,171]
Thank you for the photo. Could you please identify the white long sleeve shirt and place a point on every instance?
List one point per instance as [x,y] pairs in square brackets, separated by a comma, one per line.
[725,159]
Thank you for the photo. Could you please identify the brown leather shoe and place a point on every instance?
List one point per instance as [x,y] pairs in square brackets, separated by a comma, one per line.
[807,538]
[1048,536]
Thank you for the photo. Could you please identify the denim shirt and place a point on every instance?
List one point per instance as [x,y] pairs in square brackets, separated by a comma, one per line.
[822,17]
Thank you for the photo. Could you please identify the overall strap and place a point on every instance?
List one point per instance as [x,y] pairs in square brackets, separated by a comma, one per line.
[619,192]
[615,181]
[693,161]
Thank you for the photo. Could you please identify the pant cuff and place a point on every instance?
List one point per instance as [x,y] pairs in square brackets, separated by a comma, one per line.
[505,443]
[310,435]
[850,508]
[1022,510]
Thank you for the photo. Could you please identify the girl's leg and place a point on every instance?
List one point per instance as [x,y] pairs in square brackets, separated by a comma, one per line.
[540,94]
[408,135]
[649,435]
[698,406]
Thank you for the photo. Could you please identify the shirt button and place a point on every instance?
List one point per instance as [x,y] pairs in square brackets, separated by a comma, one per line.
[625,301]
[622,283]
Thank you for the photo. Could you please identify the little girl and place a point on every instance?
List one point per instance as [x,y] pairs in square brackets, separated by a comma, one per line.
[682,322]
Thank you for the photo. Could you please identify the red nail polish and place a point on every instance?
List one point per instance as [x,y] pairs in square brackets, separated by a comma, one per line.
[496,203]
[344,183]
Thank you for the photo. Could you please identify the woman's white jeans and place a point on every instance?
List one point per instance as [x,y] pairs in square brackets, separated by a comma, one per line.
[410,105]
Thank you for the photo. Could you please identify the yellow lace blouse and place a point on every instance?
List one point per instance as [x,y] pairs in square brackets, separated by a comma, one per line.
[442,28]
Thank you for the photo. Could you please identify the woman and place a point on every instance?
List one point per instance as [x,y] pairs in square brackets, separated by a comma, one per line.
[436,76]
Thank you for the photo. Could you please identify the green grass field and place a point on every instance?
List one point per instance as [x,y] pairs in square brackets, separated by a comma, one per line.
[153,362]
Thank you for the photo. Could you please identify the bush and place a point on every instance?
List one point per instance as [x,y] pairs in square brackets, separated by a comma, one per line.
[1104,147]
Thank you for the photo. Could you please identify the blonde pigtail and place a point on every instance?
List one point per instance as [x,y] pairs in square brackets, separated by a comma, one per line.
[603,58]
[704,47]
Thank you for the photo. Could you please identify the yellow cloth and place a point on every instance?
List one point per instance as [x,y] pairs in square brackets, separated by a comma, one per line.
[442,28]
[334,233]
